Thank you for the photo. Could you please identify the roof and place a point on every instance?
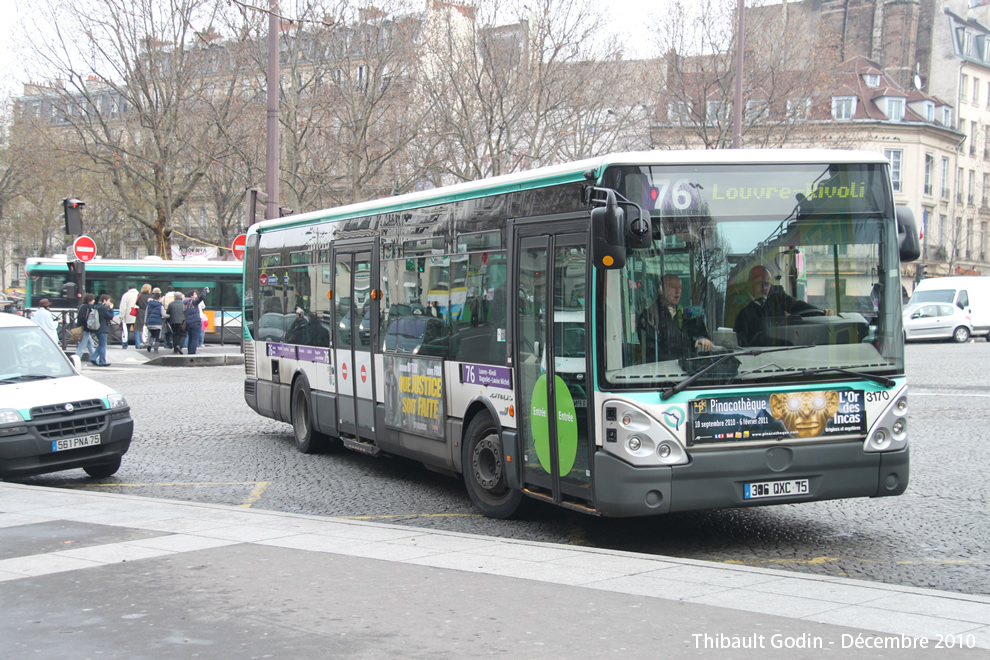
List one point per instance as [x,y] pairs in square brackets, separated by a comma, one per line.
[574,172]
[15,320]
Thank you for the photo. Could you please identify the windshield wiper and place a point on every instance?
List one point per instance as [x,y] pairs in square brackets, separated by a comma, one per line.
[16,377]
[881,380]
[686,383]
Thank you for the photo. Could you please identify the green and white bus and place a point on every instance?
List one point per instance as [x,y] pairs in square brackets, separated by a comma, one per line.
[504,330]
[48,277]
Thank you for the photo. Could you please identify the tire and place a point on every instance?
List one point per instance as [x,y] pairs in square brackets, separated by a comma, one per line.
[308,440]
[103,470]
[484,470]
[960,335]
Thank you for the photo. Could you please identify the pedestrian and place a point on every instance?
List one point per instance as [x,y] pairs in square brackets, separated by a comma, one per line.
[128,312]
[105,309]
[43,317]
[167,299]
[193,307]
[153,320]
[177,322]
[88,342]
[142,305]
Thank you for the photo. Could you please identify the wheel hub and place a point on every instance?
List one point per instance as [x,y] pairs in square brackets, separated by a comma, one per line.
[487,463]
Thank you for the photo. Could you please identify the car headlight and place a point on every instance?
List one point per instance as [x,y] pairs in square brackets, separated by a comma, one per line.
[10,416]
[117,401]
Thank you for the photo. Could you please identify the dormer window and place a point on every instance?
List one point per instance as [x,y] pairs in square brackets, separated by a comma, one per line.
[871,79]
[895,109]
[843,107]
[928,109]
[946,116]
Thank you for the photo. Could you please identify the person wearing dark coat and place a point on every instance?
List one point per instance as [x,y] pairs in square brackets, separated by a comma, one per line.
[177,322]
[105,309]
[88,342]
[153,320]
[142,305]
[669,332]
[770,305]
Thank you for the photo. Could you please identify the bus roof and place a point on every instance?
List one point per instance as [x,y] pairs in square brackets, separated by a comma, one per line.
[60,263]
[573,172]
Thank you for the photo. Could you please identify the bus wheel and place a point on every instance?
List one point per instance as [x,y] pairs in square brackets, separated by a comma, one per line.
[484,470]
[308,441]
[960,335]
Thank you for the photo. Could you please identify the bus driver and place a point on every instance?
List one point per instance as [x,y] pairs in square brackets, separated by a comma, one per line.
[754,323]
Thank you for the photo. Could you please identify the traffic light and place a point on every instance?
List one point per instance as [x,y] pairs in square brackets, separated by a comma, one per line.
[922,271]
[72,210]
[76,282]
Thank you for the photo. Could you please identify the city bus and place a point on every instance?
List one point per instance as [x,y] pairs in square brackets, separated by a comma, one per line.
[540,377]
[48,277]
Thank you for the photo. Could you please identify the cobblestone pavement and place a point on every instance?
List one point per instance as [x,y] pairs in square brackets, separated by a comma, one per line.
[197,440]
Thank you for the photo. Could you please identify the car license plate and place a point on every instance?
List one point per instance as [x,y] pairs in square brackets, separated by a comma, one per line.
[75,443]
[775,489]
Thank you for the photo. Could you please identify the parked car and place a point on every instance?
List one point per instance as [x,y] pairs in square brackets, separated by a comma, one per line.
[51,417]
[971,294]
[937,321]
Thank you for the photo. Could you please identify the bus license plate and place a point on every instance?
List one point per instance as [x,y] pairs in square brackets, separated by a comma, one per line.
[775,489]
[75,443]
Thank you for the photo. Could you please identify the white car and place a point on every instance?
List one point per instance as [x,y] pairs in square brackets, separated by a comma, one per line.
[51,417]
[937,321]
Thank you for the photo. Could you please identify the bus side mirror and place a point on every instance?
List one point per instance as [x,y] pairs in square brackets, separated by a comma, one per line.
[608,234]
[907,234]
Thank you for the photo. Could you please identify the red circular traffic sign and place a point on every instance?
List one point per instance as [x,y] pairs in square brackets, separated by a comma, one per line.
[364,374]
[84,248]
[237,247]
[343,370]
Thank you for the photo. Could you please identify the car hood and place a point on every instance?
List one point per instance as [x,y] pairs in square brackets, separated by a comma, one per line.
[30,394]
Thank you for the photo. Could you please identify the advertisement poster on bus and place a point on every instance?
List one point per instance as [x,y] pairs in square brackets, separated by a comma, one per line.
[414,395]
[777,416]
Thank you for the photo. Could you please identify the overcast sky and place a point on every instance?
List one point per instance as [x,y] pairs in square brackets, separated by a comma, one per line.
[629,17]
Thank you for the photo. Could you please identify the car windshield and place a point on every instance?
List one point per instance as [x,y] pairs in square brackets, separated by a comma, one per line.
[933,296]
[805,267]
[27,353]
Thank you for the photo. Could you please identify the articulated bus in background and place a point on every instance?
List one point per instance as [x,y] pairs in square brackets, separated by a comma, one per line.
[47,278]
[512,331]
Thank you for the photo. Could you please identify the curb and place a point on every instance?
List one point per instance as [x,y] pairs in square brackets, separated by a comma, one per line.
[195,360]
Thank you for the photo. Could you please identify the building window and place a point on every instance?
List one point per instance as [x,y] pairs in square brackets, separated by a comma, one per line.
[976,91]
[986,189]
[871,79]
[715,112]
[678,111]
[946,116]
[895,156]
[797,109]
[972,138]
[929,173]
[895,109]
[843,107]
[929,109]
[959,185]
[963,87]
[753,110]
[972,187]
[986,141]
[945,178]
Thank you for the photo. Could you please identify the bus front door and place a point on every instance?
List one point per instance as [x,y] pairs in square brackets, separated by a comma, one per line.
[552,395]
[353,283]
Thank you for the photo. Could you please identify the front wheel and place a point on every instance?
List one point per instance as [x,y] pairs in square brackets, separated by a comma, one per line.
[484,470]
[960,334]
[308,440]
[103,470]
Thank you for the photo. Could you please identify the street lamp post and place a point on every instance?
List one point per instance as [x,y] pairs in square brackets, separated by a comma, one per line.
[271,143]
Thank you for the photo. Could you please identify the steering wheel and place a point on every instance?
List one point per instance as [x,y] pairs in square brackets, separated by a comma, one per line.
[809,313]
[32,355]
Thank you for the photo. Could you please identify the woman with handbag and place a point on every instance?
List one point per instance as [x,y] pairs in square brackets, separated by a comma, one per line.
[141,306]
[128,312]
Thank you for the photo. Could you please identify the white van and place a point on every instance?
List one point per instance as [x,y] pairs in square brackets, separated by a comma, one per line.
[51,417]
[970,294]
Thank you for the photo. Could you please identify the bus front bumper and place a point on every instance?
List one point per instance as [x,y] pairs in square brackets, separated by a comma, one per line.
[717,479]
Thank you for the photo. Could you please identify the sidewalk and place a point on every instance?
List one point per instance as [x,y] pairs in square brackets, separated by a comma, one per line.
[85,574]
[208,355]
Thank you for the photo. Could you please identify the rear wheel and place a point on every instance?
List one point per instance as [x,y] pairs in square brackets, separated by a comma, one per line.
[960,334]
[103,470]
[484,470]
[308,440]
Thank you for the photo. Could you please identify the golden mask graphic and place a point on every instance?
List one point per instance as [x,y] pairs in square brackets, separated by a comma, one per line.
[805,414]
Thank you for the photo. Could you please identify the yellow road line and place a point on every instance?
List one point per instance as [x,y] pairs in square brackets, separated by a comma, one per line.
[255,494]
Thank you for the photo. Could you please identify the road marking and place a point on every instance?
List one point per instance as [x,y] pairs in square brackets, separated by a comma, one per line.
[952,394]
[410,515]
[255,494]
[177,483]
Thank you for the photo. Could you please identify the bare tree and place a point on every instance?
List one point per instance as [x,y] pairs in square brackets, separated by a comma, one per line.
[786,67]
[517,87]
[144,95]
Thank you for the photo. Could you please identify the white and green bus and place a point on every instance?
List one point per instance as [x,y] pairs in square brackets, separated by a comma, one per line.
[509,330]
[59,280]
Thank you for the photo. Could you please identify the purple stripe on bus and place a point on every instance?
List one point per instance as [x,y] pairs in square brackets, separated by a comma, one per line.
[313,354]
[484,374]
[282,351]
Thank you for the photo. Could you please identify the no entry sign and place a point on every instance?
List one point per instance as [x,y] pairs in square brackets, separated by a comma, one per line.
[84,248]
[237,247]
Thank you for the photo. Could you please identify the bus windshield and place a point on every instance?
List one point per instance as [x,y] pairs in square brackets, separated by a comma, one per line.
[804,267]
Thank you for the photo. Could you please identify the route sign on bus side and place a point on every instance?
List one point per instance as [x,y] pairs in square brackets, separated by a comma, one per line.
[84,248]
[237,247]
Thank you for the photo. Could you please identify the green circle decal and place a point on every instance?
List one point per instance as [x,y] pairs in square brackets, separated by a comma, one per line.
[567,427]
